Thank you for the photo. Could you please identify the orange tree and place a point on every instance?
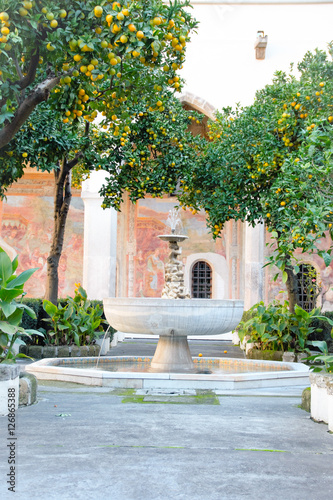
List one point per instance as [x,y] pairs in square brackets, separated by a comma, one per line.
[271,163]
[60,70]
[99,49]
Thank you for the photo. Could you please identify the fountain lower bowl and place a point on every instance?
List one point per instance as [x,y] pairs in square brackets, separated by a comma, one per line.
[231,374]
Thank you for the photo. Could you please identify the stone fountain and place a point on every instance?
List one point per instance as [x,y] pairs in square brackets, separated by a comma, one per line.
[174,316]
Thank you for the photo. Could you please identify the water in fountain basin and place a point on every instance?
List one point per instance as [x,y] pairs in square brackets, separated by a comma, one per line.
[215,366]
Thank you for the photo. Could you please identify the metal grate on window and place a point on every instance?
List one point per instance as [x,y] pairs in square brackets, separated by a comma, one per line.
[307,284]
[201,280]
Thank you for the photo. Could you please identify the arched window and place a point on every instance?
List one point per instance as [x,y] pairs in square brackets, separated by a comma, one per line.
[307,286]
[201,280]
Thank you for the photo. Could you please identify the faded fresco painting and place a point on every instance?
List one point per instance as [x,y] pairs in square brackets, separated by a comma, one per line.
[27,223]
[152,253]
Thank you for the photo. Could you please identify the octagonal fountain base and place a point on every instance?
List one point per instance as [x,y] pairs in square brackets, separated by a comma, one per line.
[216,374]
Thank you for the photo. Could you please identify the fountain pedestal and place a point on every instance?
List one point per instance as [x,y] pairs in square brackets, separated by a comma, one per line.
[172,355]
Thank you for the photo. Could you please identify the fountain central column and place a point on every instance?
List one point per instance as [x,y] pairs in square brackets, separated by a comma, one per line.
[172,352]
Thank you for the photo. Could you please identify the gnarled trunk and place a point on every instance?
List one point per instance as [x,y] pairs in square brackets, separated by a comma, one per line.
[292,287]
[62,199]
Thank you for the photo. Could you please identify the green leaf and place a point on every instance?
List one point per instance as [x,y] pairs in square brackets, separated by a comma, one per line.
[96,324]
[63,327]
[8,328]
[321,344]
[50,308]
[31,331]
[7,309]
[22,278]
[327,258]
[9,294]
[15,264]
[76,339]
[6,269]
[82,292]
[300,312]
[28,310]
[16,317]
[260,329]
[284,276]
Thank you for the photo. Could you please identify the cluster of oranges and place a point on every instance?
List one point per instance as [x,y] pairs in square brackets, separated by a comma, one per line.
[5,29]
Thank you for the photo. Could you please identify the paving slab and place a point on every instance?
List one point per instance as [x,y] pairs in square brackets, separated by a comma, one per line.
[82,443]
[85,443]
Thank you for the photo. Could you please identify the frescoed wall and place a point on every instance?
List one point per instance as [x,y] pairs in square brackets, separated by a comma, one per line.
[27,223]
[142,256]
[277,290]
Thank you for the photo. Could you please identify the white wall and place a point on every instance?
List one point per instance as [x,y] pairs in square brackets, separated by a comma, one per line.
[220,64]
[100,241]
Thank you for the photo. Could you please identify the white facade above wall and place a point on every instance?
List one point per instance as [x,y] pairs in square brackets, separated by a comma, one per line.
[220,61]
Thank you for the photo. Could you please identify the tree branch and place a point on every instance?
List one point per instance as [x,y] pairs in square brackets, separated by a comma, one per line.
[38,95]
[18,69]
[29,78]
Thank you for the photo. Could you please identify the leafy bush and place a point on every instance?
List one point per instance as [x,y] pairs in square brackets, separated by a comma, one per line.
[36,305]
[274,327]
[78,321]
[323,330]
[11,312]
[38,323]
[324,359]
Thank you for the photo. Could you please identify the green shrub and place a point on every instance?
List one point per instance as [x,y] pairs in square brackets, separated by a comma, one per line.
[323,330]
[75,320]
[11,308]
[274,327]
[39,323]
[35,305]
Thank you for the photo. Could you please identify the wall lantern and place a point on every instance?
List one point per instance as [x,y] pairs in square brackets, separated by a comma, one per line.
[260,45]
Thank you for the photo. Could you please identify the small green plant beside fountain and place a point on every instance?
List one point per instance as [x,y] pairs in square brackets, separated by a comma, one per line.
[275,328]
[78,322]
[11,311]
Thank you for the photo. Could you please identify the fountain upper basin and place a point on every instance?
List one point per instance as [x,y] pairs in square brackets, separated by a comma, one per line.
[155,316]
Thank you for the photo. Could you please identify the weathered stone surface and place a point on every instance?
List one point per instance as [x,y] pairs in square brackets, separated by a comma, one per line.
[9,371]
[267,355]
[306,399]
[84,350]
[27,389]
[35,351]
[301,356]
[91,350]
[63,351]
[321,379]
[75,351]
[50,351]
[288,357]
[24,392]
[23,349]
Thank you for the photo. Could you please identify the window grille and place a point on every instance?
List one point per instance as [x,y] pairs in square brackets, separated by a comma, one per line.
[307,286]
[201,281]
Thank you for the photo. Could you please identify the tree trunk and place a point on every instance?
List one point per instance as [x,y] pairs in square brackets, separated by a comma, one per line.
[292,288]
[62,199]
